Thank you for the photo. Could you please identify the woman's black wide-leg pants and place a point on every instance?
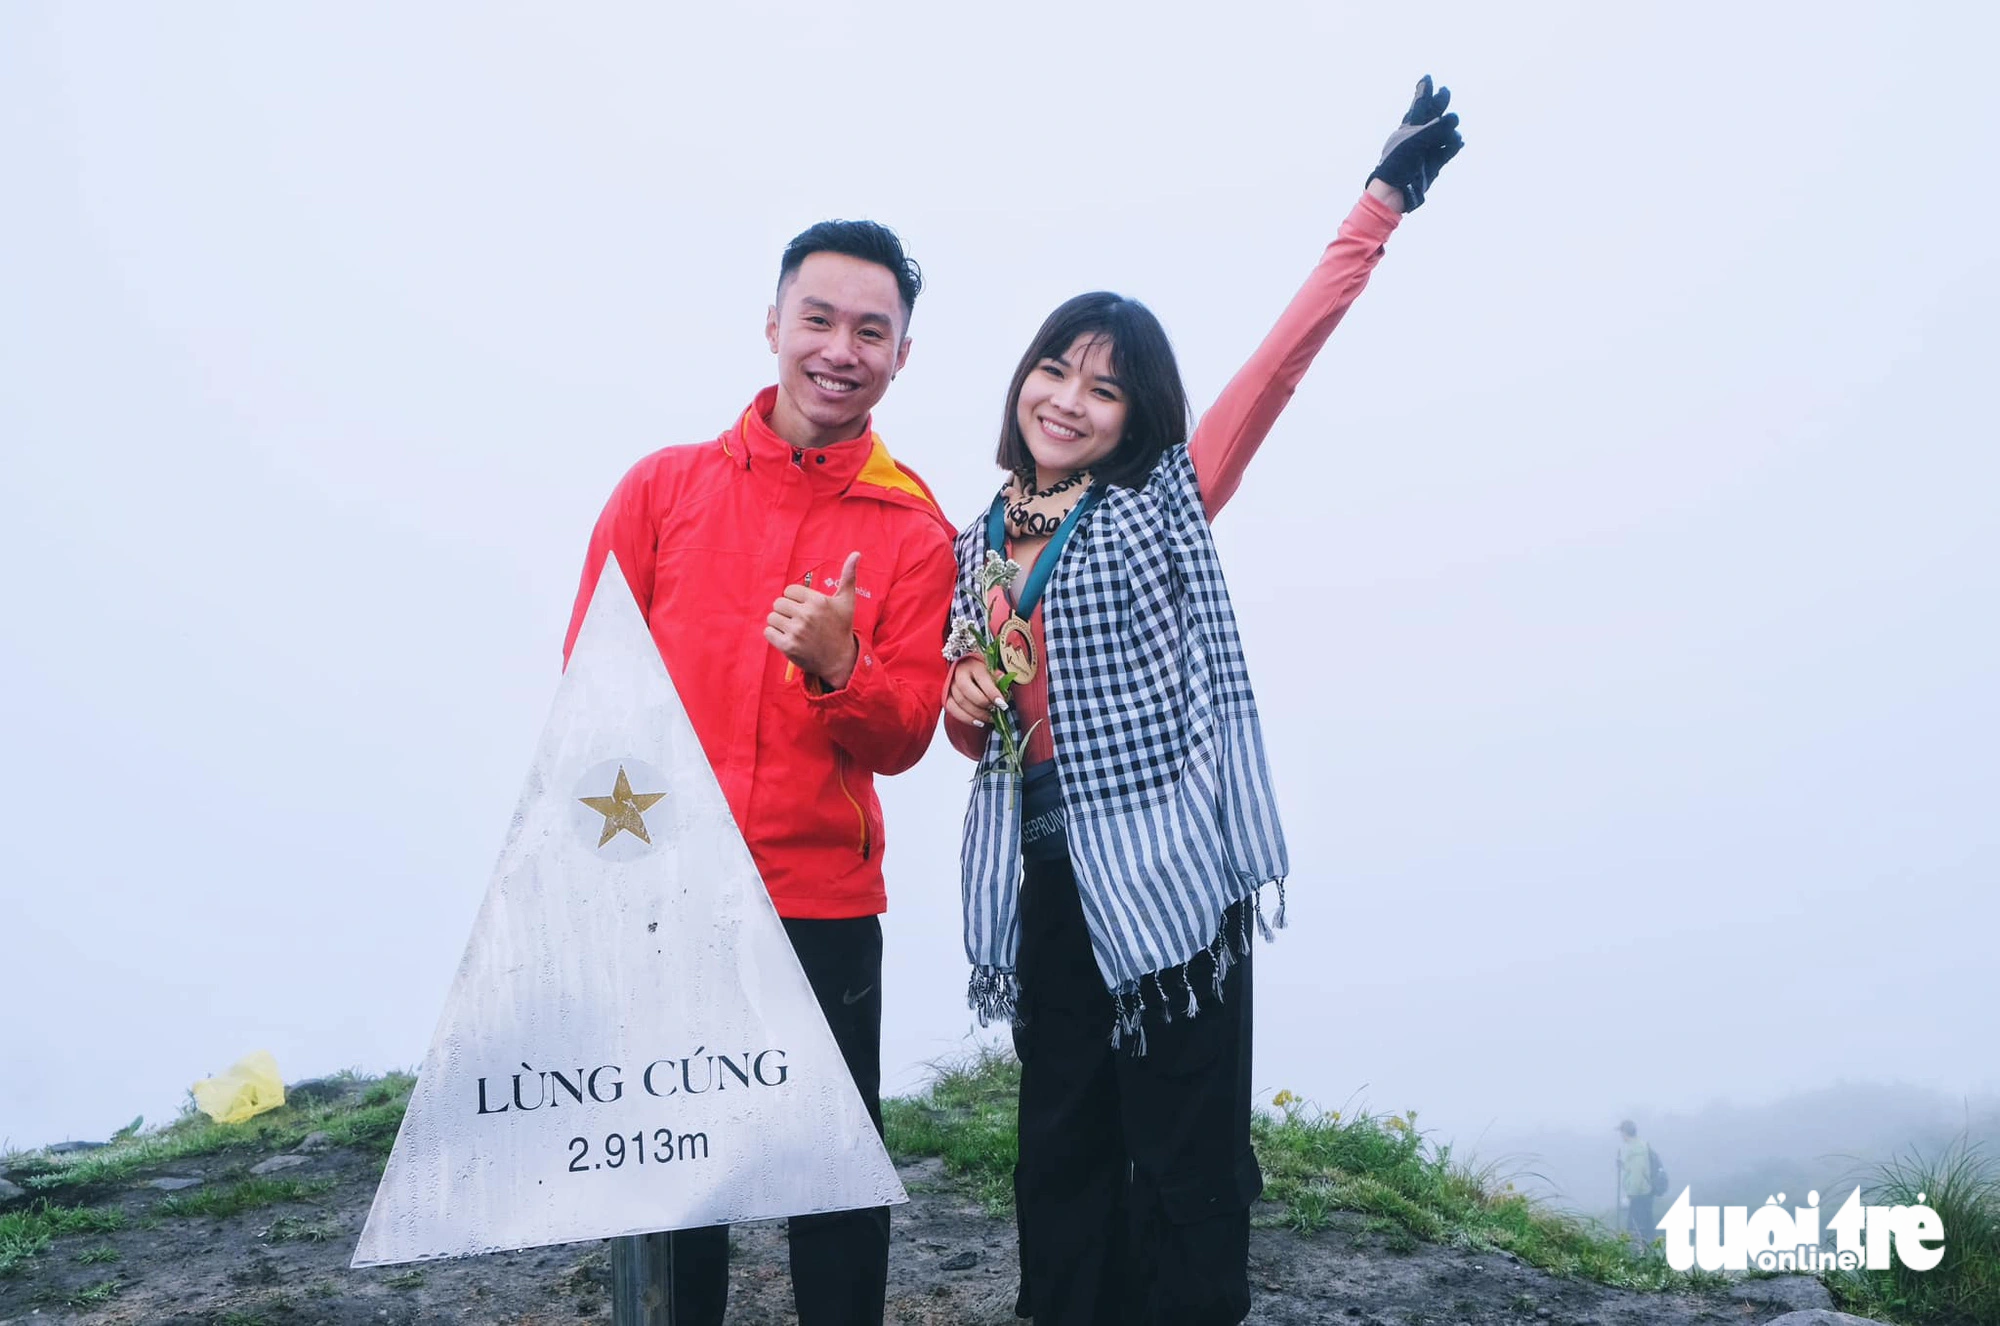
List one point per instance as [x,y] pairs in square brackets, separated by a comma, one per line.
[1136,1176]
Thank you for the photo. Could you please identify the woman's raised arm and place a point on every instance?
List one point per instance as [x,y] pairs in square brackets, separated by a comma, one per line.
[1242,416]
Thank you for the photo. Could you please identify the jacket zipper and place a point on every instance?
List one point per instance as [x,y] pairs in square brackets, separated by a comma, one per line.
[840,776]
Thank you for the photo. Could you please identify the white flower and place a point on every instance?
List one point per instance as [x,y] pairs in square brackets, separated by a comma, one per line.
[997,571]
[963,640]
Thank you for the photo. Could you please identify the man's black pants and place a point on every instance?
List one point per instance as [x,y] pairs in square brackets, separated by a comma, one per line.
[1136,1176]
[840,1261]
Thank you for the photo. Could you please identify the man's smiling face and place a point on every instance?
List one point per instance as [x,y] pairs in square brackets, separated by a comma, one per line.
[837,330]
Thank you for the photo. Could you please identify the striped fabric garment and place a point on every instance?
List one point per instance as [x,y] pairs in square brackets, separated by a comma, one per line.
[1172,817]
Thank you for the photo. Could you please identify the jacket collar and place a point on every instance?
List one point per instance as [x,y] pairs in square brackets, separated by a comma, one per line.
[754,445]
[861,465]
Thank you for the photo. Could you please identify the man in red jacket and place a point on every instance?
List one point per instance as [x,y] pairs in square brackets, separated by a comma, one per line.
[797,578]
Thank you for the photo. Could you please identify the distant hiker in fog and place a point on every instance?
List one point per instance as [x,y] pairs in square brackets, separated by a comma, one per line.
[1641,1178]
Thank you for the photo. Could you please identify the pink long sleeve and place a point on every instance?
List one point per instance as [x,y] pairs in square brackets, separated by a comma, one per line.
[1236,425]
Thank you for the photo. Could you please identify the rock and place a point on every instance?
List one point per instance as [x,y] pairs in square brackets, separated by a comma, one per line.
[259,1270]
[171,1183]
[1801,1293]
[64,1148]
[276,1163]
[1823,1317]
[315,1143]
[316,1090]
[8,1191]
[963,1261]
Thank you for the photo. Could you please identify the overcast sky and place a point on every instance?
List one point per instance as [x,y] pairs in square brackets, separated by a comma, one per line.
[1620,588]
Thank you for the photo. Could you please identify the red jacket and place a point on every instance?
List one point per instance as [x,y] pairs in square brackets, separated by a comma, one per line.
[709,535]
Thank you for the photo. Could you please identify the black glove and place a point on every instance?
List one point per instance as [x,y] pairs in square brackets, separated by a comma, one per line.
[1422,143]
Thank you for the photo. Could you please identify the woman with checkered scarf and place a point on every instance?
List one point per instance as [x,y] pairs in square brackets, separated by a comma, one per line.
[1122,825]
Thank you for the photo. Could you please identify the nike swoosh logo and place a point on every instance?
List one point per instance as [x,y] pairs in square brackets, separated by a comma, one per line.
[852,999]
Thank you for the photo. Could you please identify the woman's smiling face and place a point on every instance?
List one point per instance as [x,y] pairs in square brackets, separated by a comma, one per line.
[1072,409]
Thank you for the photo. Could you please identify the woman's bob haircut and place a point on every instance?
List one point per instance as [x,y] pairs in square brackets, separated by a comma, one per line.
[1156,405]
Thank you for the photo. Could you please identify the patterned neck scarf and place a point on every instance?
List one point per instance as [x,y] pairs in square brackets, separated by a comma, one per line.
[1036,513]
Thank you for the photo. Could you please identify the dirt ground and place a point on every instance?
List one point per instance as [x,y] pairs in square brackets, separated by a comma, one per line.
[949,1263]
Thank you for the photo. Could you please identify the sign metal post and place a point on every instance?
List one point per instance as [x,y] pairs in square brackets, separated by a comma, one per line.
[642,1280]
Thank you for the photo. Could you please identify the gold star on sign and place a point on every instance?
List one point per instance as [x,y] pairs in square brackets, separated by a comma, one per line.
[621,810]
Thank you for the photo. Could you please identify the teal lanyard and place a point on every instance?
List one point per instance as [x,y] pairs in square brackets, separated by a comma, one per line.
[1045,565]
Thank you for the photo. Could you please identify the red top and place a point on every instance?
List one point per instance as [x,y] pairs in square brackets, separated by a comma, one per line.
[709,535]
[1228,435]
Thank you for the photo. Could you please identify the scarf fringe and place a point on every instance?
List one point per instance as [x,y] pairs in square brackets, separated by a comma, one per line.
[1128,1018]
[994,996]
[1128,1001]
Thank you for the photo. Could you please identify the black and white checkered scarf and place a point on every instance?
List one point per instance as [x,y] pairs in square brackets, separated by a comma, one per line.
[1171,814]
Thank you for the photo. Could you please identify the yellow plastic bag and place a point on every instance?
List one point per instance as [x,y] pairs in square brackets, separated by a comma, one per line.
[249,1087]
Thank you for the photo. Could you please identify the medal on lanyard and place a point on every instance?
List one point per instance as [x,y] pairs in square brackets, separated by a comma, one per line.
[1017,648]
[1015,639]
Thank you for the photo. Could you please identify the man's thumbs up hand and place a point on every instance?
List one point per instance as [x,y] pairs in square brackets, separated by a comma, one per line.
[816,631]
[844,593]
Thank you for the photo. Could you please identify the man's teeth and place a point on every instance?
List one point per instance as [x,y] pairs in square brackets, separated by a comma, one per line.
[829,384]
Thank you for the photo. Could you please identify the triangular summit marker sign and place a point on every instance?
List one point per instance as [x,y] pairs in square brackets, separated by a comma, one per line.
[629,1044]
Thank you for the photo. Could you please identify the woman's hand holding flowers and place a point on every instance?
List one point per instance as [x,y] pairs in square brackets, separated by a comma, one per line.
[980,677]
[973,696]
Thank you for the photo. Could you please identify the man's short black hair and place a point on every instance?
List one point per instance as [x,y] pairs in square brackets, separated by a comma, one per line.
[869,241]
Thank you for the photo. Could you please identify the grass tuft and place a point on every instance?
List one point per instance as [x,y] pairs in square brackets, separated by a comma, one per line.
[1962,1184]
[302,1229]
[248,1195]
[368,1122]
[89,1297]
[25,1233]
[92,1295]
[967,1117]
[1384,1167]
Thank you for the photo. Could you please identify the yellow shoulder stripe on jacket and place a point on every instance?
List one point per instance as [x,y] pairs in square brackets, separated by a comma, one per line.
[882,470]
